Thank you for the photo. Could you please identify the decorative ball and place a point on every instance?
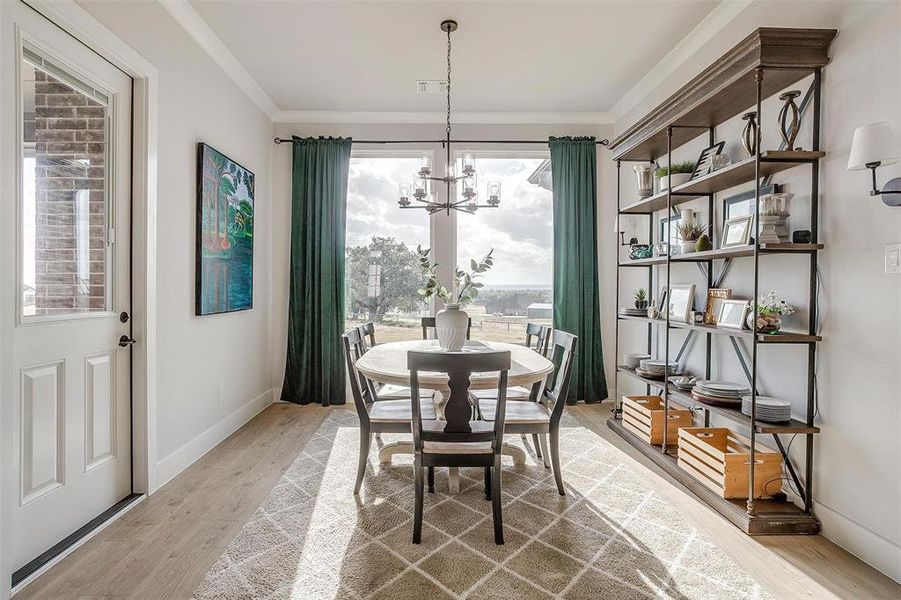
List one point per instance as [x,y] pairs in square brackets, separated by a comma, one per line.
[703,243]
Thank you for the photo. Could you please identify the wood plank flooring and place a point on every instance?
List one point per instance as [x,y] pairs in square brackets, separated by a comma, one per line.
[163,547]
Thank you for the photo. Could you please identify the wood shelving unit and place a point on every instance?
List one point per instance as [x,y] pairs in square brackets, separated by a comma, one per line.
[783,337]
[771,162]
[762,65]
[723,253]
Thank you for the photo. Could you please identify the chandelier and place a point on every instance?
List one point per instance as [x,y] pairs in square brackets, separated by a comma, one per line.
[419,193]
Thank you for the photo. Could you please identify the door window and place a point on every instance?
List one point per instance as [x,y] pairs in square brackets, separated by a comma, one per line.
[64,251]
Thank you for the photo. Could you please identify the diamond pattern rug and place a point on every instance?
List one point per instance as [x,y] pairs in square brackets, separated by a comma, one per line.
[611,536]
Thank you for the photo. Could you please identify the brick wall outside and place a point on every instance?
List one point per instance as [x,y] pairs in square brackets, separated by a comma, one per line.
[70,169]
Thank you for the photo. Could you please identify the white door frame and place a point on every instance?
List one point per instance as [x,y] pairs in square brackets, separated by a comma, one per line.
[84,27]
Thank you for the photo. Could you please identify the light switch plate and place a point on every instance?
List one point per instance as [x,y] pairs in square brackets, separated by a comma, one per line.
[893,258]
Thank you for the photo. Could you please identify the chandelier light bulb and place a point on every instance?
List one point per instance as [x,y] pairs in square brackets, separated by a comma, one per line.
[494,193]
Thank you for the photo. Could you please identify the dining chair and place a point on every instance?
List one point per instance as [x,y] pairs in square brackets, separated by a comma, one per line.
[367,331]
[385,391]
[384,416]
[429,323]
[542,417]
[459,440]
[541,335]
[537,337]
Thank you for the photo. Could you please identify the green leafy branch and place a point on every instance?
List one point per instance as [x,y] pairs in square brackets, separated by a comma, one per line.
[466,285]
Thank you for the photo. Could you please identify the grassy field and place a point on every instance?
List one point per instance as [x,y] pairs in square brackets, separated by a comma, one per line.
[484,327]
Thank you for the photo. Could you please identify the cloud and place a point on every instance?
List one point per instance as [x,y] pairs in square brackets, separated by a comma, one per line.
[520,230]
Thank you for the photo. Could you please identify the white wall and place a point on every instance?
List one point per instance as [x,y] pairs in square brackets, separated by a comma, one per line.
[199,102]
[282,194]
[857,480]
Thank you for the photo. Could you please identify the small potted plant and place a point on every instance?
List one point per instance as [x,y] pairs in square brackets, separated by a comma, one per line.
[770,310]
[451,322]
[641,299]
[681,173]
[690,233]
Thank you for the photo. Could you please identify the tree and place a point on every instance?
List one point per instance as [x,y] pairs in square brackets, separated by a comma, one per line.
[399,283]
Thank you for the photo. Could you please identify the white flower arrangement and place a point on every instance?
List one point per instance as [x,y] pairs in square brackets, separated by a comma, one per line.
[773,304]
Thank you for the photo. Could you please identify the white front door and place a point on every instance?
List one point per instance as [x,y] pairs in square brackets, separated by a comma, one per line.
[73,401]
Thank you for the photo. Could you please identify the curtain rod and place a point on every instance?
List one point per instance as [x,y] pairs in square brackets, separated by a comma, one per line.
[602,142]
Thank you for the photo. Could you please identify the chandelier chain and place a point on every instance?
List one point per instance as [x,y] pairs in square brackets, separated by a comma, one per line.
[448,130]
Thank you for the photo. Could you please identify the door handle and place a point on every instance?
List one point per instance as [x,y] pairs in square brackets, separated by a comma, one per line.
[126,341]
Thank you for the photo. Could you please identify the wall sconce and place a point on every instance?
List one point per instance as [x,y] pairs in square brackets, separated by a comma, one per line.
[874,146]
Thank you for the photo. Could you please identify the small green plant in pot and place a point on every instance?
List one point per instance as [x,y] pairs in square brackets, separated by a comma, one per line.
[641,299]
[690,233]
[681,173]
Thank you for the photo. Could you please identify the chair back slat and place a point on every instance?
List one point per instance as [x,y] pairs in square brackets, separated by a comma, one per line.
[429,323]
[458,411]
[541,335]
[562,350]
[360,386]
[367,332]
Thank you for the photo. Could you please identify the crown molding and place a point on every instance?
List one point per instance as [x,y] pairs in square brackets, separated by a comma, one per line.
[413,117]
[185,15]
[710,26]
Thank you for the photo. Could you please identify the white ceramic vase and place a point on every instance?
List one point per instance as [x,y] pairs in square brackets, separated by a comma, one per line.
[450,327]
[678,179]
[688,246]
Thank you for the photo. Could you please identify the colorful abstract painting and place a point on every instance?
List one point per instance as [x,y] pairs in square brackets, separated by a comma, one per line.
[224,234]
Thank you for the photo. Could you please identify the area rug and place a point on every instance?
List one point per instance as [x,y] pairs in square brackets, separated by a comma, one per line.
[611,536]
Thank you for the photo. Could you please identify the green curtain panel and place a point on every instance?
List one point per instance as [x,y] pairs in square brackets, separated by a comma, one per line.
[576,304]
[314,371]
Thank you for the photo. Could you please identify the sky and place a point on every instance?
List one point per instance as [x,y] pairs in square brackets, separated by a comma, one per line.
[520,230]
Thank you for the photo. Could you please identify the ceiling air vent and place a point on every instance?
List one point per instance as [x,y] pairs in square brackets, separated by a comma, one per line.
[431,86]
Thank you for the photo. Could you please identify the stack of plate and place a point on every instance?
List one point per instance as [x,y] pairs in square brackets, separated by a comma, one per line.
[655,369]
[633,312]
[771,410]
[719,392]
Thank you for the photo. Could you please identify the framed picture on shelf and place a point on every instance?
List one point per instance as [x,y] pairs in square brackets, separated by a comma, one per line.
[732,314]
[705,160]
[661,304]
[742,204]
[680,302]
[737,232]
[669,231]
[715,297]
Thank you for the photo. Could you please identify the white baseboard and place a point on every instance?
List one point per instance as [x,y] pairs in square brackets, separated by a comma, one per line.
[868,546]
[184,457]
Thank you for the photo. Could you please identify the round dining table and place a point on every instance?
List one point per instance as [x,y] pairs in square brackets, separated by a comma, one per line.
[387,363]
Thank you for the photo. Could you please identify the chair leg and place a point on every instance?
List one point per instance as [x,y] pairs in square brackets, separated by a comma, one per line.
[417,507]
[545,455]
[363,459]
[487,483]
[555,459]
[496,502]
[539,448]
[431,480]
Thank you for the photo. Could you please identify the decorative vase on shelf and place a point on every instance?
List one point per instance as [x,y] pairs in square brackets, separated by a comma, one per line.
[766,322]
[688,246]
[450,327]
[645,176]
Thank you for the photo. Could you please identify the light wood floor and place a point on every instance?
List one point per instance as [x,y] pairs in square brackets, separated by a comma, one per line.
[163,547]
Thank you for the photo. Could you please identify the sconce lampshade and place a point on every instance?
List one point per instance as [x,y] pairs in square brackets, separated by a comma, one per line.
[874,143]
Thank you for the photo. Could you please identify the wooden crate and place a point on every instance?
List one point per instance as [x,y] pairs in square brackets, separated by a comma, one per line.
[643,416]
[719,459]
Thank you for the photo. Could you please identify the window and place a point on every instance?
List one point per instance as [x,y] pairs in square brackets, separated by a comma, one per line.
[518,289]
[382,270]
